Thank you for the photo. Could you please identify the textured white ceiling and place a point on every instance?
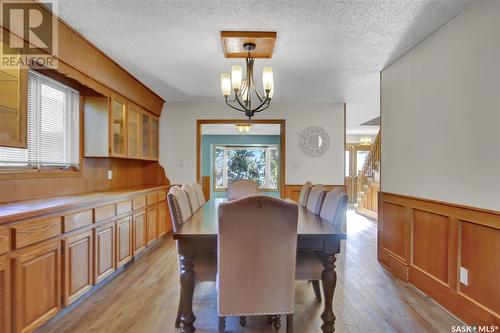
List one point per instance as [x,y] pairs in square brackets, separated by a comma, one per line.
[230,129]
[326,51]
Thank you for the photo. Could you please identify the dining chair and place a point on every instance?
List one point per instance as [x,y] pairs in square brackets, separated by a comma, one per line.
[309,265]
[304,193]
[315,198]
[205,266]
[257,246]
[193,199]
[241,188]
[199,194]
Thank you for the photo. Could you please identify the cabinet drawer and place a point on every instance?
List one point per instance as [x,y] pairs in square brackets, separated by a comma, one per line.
[4,241]
[123,207]
[104,212]
[77,220]
[162,196]
[151,199]
[36,231]
[138,202]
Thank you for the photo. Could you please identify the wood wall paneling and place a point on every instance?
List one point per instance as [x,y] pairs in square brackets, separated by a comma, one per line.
[430,244]
[36,285]
[293,191]
[441,237]
[479,254]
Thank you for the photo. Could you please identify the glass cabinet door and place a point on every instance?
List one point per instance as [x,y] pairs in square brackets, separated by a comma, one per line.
[145,136]
[133,132]
[13,107]
[118,128]
[154,140]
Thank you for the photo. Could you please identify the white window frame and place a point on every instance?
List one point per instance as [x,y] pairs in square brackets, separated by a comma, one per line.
[267,171]
[33,151]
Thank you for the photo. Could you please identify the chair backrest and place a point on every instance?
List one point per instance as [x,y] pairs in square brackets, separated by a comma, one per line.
[334,208]
[315,199]
[193,199]
[199,194]
[241,188]
[178,203]
[304,193]
[257,247]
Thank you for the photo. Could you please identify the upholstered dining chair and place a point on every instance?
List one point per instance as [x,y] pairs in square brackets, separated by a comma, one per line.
[304,193]
[257,248]
[205,266]
[309,265]
[241,188]
[193,199]
[199,194]
[315,198]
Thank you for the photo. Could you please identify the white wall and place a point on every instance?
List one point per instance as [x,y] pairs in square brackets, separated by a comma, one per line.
[178,139]
[441,113]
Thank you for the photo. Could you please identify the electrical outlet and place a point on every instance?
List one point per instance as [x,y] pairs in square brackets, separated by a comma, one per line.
[110,174]
[464,276]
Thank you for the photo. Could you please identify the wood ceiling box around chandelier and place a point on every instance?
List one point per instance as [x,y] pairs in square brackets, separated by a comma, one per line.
[232,43]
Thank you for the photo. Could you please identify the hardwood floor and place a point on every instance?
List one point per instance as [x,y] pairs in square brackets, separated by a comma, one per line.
[367,299]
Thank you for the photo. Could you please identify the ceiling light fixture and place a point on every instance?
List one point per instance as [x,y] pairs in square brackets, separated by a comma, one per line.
[244,128]
[240,91]
[365,141]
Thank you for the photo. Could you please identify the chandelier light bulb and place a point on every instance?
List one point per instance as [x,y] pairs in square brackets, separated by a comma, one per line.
[267,78]
[236,76]
[225,84]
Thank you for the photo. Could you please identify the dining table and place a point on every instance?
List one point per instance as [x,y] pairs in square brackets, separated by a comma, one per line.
[198,235]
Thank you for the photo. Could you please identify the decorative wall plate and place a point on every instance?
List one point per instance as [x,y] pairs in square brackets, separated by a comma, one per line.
[314,141]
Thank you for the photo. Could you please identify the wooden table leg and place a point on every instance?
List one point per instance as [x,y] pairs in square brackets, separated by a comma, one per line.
[329,279]
[187,289]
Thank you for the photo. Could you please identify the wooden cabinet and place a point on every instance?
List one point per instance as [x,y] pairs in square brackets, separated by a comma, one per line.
[145,135]
[104,251]
[77,269]
[151,219]
[36,285]
[123,241]
[96,126]
[13,107]
[4,294]
[118,129]
[139,232]
[133,131]
[162,218]
[154,140]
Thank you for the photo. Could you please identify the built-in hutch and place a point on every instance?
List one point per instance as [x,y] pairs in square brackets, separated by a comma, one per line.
[70,231]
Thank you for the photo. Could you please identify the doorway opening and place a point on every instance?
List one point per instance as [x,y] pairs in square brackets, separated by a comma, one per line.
[234,149]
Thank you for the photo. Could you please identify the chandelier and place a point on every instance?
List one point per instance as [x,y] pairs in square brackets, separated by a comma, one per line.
[246,97]
[365,141]
[243,128]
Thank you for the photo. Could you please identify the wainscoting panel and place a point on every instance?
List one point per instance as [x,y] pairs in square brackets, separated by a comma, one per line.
[430,244]
[293,191]
[425,243]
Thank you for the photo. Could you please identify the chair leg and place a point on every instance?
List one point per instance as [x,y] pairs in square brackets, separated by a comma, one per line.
[243,321]
[317,291]
[289,323]
[179,313]
[277,322]
[222,324]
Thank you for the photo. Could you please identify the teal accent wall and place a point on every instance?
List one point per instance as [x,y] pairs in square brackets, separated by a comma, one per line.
[207,141]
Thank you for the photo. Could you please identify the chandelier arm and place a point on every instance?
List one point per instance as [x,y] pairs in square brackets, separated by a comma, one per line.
[257,92]
[258,109]
[241,104]
[231,106]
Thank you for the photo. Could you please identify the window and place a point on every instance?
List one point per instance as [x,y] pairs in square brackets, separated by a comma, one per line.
[53,128]
[257,163]
[360,159]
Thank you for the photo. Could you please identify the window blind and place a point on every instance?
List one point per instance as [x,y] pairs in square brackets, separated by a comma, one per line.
[53,127]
